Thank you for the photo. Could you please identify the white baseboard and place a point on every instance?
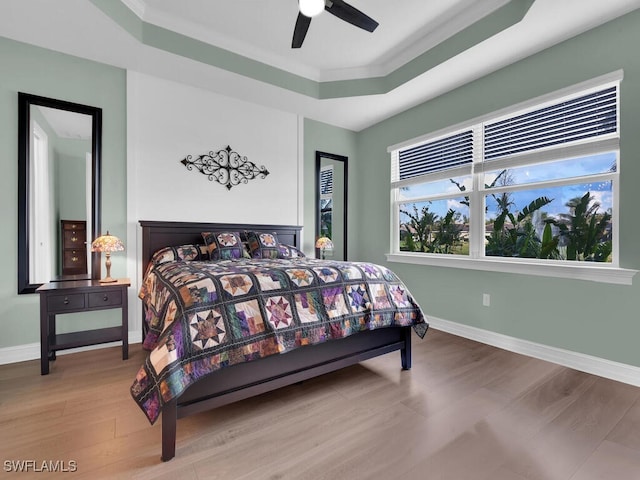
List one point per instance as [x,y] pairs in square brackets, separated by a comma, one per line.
[585,363]
[31,351]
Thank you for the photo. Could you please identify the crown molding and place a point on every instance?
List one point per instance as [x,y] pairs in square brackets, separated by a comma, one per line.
[139,7]
[153,35]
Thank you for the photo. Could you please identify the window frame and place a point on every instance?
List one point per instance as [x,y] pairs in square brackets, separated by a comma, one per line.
[477,260]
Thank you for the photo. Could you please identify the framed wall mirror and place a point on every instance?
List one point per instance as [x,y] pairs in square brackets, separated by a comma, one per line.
[59,208]
[331,203]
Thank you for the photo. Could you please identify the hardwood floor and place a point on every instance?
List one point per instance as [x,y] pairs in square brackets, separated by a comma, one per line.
[465,411]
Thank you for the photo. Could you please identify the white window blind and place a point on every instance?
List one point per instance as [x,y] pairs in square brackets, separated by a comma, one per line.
[326,181]
[435,156]
[588,116]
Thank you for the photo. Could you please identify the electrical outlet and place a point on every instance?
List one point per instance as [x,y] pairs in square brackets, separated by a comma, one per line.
[486,299]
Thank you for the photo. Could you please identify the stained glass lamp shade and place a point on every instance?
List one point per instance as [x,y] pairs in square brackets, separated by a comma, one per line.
[107,244]
[324,243]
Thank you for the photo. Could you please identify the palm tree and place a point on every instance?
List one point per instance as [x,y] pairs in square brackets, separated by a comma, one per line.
[584,231]
[520,239]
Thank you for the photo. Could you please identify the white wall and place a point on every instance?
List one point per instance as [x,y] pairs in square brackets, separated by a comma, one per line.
[167,121]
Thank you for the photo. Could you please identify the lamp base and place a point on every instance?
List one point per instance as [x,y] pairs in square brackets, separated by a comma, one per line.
[107,264]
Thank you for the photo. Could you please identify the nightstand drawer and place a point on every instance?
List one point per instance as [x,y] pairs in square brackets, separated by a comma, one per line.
[74,239]
[106,298]
[74,262]
[59,303]
[72,225]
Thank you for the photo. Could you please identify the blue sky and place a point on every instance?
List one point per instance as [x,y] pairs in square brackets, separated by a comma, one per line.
[562,169]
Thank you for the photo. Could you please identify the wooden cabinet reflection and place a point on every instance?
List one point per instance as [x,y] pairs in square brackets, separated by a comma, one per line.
[74,246]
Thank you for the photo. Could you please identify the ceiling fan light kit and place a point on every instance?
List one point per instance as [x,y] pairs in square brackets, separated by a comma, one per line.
[338,8]
[311,8]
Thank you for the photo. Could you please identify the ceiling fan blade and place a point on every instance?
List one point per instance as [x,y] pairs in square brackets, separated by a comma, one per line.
[350,14]
[300,30]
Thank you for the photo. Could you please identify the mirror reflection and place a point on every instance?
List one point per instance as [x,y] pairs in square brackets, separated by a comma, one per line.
[59,186]
[60,194]
[331,203]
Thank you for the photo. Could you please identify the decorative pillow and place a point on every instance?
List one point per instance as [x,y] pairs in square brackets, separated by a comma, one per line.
[223,245]
[263,245]
[183,253]
[289,251]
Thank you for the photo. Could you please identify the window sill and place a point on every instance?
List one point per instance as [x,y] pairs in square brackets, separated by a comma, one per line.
[580,271]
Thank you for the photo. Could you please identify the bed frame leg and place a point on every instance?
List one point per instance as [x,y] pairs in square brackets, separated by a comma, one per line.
[169,425]
[405,353]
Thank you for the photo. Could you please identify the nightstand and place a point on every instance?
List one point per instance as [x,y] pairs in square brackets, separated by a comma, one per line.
[80,296]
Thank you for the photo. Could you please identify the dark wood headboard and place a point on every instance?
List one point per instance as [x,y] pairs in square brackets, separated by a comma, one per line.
[156,235]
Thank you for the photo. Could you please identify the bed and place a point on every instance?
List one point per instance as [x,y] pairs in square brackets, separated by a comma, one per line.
[234,327]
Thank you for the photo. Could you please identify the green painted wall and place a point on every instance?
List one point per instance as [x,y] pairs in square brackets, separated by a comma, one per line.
[71,178]
[596,319]
[43,72]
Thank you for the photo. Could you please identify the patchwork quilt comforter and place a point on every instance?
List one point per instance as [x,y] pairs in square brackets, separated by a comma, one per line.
[203,316]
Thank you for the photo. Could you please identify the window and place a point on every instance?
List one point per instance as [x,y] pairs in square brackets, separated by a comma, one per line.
[432,203]
[535,184]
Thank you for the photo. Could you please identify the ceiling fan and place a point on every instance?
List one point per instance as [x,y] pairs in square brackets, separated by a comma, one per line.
[339,8]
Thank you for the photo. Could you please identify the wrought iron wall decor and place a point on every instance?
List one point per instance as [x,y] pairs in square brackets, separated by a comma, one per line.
[226,167]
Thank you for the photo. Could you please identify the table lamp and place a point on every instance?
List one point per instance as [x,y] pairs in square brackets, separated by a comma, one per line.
[324,243]
[107,243]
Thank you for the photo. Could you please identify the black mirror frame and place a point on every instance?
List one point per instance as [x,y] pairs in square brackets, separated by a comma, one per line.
[345,160]
[25,100]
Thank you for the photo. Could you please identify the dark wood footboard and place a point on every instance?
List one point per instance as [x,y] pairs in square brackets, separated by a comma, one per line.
[254,378]
[260,376]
